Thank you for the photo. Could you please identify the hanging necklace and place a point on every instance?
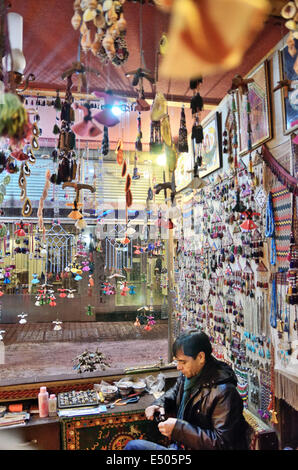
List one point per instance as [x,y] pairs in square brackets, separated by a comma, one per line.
[273,314]
[270,228]
[235,138]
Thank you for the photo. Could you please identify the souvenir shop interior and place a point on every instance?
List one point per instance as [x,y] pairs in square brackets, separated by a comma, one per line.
[148,184]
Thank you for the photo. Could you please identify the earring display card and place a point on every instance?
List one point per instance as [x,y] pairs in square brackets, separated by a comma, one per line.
[75,399]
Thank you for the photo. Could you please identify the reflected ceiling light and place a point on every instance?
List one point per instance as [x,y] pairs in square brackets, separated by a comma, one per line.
[161,159]
[117,111]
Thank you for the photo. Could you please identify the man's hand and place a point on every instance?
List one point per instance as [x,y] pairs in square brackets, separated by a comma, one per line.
[149,412]
[166,427]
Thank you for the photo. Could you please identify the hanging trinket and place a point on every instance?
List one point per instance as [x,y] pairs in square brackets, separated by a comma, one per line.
[105,146]
[155,138]
[138,143]
[57,324]
[136,174]
[22,317]
[89,310]
[34,280]
[182,138]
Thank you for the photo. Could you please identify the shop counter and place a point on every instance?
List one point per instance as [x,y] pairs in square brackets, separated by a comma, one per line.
[112,429]
[104,431]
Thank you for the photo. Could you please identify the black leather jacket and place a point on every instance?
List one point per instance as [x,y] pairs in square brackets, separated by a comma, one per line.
[213,418]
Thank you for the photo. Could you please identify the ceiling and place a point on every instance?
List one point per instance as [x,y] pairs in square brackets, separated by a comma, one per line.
[50,45]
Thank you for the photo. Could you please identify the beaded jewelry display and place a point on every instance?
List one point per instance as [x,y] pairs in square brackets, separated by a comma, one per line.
[270,228]
[242,385]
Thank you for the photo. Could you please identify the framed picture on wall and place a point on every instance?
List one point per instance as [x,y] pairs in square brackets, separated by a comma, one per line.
[260,115]
[211,146]
[183,171]
[288,63]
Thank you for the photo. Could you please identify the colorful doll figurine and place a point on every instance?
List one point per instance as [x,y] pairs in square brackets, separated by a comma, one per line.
[86,266]
[21,232]
[124,289]
[7,277]
[52,301]
[91,281]
[62,293]
[34,280]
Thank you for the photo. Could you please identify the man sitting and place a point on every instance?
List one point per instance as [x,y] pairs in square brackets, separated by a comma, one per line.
[203,409]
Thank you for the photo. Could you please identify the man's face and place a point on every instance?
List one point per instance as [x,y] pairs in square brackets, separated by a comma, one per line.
[188,365]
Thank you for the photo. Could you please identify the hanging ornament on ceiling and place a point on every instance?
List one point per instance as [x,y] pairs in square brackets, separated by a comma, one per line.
[87,127]
[76,214]
[159,108]
[217,48]
[155,137]
[42,199]
[182,138]
[27,158]
[136,174]
[138,143]
[106,117]
[65,153]
[119,152]
[14,121]
[109,42]
[196,105]
[289,13]
[57,106]
[128,193]
[105,145]
[81,223]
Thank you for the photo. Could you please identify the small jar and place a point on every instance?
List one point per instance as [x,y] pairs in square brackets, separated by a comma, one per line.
[53,405]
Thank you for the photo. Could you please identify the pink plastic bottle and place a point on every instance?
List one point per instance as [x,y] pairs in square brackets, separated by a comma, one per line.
[43,402]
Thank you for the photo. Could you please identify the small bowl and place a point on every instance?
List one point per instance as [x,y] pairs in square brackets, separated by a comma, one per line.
[109,392]
[139,387]
[125,388]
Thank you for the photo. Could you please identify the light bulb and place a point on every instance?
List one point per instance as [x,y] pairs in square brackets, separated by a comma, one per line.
[15,61]
[116,110]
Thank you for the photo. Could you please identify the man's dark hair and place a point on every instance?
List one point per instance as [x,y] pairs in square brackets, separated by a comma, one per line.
[192,342]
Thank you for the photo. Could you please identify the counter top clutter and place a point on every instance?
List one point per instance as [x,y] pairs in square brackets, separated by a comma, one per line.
[103,397]
[12,418]
[106,396]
